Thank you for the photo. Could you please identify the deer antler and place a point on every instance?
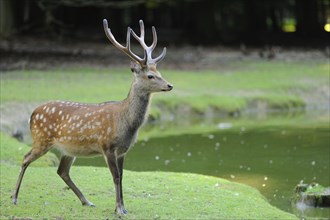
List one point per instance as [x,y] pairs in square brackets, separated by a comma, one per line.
[147,59]
[149,49]
[127,49]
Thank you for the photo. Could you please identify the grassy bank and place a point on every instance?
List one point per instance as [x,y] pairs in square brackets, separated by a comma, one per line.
[239,86]
[148,195]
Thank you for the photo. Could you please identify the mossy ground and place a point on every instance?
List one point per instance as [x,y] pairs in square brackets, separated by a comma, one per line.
[148,195]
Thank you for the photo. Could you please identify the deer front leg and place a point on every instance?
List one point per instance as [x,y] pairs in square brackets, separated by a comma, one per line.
[63,172]
[120,163]
[116,167]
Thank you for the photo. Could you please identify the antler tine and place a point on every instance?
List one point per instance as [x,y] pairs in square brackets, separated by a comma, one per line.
[154,37]
[142,33]
[128,38]
[140,38]
[148,49]
[160,57]
[153,46]
[127,49]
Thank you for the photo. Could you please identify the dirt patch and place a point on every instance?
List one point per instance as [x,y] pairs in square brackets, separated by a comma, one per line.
[32,53]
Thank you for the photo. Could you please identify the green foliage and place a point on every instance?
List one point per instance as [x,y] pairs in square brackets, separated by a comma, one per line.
[282,102]
[200,103]
[316,189]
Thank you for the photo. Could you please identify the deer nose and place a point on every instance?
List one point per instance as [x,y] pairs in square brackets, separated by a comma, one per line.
[169,86]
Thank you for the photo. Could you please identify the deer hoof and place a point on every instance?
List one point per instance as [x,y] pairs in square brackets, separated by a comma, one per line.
[88,204]
[121,211]
[15,201]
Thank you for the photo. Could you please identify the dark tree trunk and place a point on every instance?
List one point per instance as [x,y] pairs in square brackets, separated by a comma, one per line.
[6,17]
[255,21]
[307,17]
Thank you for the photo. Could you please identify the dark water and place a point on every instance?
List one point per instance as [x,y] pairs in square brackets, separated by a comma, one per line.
[271,158]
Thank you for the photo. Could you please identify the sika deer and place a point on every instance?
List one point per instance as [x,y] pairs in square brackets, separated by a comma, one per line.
[108,128]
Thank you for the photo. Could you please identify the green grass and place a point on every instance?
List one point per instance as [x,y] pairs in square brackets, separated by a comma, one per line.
[281,85]
[148,195]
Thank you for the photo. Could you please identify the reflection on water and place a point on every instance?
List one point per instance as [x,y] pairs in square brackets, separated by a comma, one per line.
[272,158]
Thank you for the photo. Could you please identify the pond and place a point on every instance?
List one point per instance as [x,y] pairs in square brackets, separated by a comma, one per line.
[272,154]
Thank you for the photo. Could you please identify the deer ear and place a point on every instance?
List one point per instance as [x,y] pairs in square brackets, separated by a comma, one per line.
[135,67]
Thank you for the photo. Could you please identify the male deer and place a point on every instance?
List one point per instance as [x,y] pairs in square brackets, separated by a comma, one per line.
[108,128]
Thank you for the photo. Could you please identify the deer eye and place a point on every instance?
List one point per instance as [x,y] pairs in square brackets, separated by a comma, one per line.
[151,76]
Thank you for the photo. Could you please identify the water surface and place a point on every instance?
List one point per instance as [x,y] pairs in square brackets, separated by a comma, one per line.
[272,157]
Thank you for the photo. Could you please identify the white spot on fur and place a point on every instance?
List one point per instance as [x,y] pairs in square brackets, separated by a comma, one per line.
[53,110]
[60,113]
[37,116]
[108,130]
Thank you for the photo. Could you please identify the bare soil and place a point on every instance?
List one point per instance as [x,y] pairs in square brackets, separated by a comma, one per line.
[35,53]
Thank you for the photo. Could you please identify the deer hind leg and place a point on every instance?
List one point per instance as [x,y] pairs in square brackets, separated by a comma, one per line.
[63,172]
[36,152]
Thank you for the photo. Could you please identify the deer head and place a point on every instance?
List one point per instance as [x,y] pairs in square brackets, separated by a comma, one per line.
[146,75]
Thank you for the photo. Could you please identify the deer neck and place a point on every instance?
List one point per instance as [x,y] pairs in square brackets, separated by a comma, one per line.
[136,106]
